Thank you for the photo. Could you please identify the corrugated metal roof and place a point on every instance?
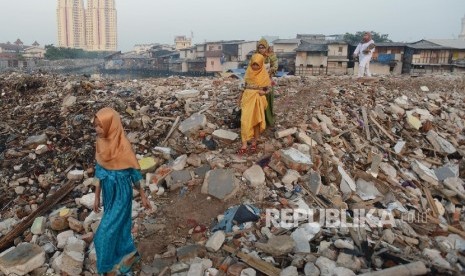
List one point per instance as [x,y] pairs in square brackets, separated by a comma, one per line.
[287,41]
[312,47]
[426,45]
[452,43]
[12,47]
[390,44]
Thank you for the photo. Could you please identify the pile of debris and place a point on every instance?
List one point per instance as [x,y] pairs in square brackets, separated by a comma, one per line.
[357,176]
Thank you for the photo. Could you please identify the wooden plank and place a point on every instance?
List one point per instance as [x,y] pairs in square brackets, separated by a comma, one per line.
[382,129]
[48,204]
[431,202]
[171,131]
[449,228]
[256,263]
[365,119]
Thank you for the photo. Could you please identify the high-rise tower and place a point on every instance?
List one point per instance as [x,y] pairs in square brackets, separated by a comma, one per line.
[93,29]
[71,24]
[462,34]
[101,26]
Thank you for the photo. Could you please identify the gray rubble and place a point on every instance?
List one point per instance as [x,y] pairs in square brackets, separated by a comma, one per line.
[405,158]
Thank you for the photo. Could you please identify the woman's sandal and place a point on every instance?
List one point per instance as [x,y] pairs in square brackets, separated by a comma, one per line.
[253,148]
[241,151]
[125,267]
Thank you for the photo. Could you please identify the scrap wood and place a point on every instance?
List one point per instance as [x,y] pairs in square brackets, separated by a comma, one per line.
[27,222]
[342,133]
[256,263]
[449,228]
[411,269]
[365,204]
[431,201]
[365,119]
[171,131]
[429,160]
[382,129]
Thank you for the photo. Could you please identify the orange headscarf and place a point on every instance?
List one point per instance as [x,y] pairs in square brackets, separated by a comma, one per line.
[264,43]
[260,77]
[113,151]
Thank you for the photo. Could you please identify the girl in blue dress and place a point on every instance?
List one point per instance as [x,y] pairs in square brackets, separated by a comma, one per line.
[116,172]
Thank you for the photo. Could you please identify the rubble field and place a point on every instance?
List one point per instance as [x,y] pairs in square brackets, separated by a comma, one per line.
[357,176]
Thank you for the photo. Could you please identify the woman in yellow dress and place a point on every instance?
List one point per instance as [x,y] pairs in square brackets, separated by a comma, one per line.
[253,102]
[271,64]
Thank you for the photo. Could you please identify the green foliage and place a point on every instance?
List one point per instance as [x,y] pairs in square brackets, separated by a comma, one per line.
[357,37]
[54,53]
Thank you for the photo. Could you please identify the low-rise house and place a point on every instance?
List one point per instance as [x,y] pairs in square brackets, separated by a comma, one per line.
[213,54]
[427,57]
[457,46]
[321,57]
[222,56]
[337,57]
[285,50]
[182,42]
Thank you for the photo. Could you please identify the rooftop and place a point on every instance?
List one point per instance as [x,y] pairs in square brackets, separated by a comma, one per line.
[452,43]
[287,41]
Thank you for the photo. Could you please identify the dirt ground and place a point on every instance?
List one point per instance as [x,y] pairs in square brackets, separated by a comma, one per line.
[180,214]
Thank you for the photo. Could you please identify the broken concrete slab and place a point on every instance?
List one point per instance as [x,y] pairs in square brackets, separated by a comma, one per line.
[302,137]
[325,265]
[313,182]
[193,123]
[73,256]
[215,242]
[366,190]
[439,143]
[177,179]
[448,171]
[346,179]
[277,245]
[187,94]
[294,159]
[286,132]
[291,177]
[424,172]
[202,171]
[225,135]
[255,176]
[22,259]
[190,252]
[87,200]
[179,163]
[303,235]
[220,183]
[75,175]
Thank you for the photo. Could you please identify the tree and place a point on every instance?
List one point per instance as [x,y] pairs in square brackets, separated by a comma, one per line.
[54,53]
[357,37]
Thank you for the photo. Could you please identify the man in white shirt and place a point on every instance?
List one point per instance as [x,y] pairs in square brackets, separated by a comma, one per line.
[365,51]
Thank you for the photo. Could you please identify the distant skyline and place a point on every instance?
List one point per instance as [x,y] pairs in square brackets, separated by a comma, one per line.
[159,21]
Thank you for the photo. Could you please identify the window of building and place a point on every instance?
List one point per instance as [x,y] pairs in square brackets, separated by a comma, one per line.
[339,64]
[212,63]
[340,49]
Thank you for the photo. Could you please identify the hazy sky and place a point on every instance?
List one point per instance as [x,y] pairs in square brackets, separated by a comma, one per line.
[146,21]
